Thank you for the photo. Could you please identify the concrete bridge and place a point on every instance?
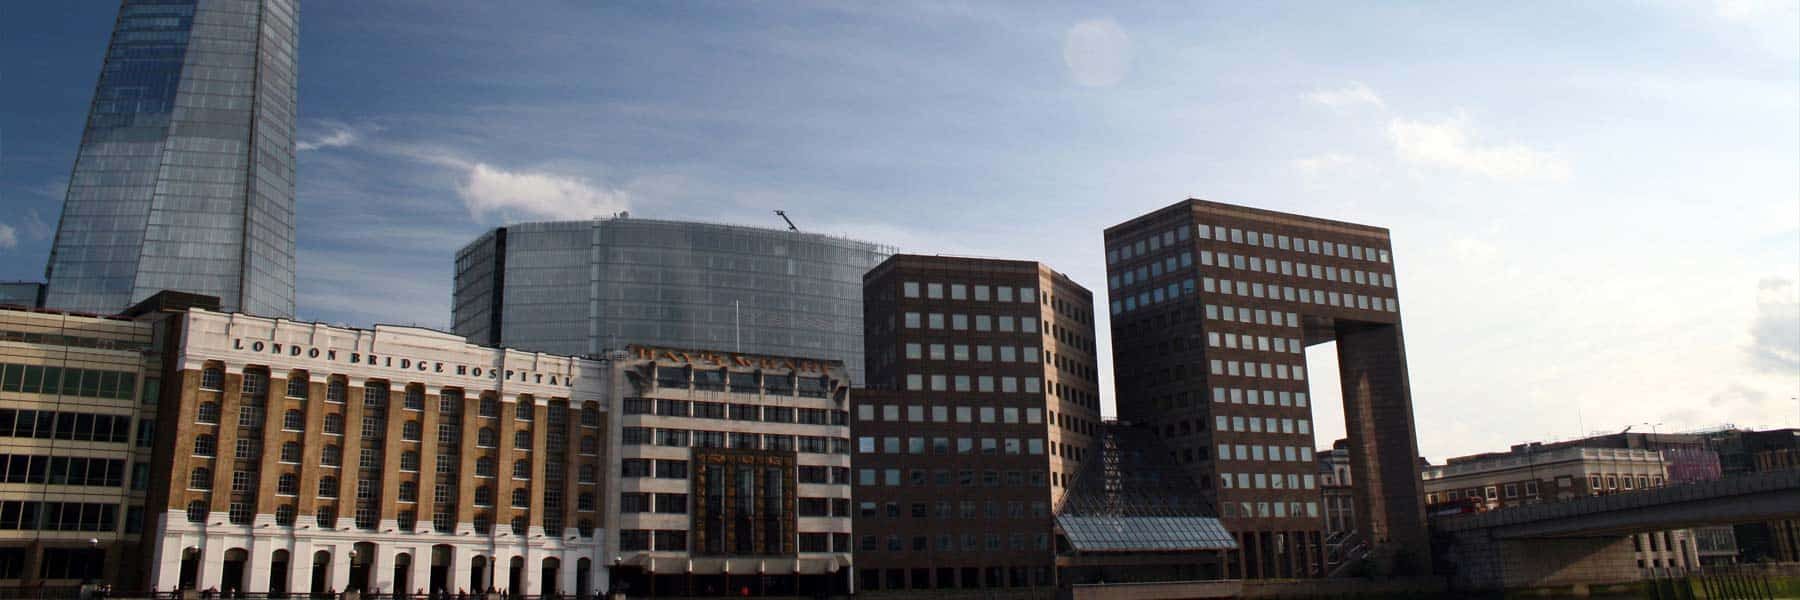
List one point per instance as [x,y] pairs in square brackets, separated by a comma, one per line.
[1587,541]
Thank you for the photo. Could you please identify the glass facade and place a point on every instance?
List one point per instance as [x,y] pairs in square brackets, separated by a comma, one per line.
[185,175]
[584,287]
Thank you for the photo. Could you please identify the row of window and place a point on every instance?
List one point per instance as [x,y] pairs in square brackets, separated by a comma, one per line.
[376,394]
[1256,369]
[941,446]
[1259,481]
[974,383]
[699,438]
[1203,231]
[741,382]
[1173,291]
[958,291]
[946,509]
[982,353]
[948,577]
[676,540]
[941,414]
[1265,510]
[68,381]
[1179,263]
[733,411]
[79,427]
[982,323]
[367,517]
[971,542]
[645,502]
[29,515]
[942,477]
[62,470]
[1262,425]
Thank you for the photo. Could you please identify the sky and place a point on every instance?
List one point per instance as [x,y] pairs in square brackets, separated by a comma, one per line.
[1595,206]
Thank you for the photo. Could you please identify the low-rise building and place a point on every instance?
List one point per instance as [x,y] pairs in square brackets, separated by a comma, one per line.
[733,473]
[1532,475]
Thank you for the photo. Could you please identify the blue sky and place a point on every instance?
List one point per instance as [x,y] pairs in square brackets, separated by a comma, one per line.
[1595,206]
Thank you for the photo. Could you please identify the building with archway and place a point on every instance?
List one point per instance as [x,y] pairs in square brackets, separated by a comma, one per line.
[302,457]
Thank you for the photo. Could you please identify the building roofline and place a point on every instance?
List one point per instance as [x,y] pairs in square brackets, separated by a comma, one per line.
[1249,212]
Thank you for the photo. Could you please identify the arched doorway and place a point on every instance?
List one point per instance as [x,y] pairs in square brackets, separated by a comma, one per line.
[403,583]
[231,571]
[321,572]
[190,568]
[515,576]
[362,559]
[584,577]
[278,573]
[440,569]
[549,577]
[478,574]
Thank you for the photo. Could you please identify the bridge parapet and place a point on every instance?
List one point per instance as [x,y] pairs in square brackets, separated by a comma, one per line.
[1757,484]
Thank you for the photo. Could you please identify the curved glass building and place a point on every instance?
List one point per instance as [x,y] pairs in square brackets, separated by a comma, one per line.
[584,287]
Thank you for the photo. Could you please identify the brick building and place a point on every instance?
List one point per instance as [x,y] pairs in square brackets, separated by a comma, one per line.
[296,457]
[984,404]
[1212,308]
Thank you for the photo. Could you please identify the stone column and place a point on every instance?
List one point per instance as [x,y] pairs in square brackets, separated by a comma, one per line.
[340,567]
[256,565]
[421,570]
[459,568]
[381,570]
[212,557]
[300,568]
[168,563]
[569,571]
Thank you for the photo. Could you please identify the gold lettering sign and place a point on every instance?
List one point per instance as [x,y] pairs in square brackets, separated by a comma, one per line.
[717,359]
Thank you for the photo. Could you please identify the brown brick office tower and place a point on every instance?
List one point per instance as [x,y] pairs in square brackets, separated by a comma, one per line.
[982,410]
[1212,307]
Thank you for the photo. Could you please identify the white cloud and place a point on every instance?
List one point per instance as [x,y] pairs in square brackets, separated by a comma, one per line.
[1351,95]
[1097,53]
[1324,162]
[336,139]
[489,190]
[9,237]
[1449,143]
[1775,334]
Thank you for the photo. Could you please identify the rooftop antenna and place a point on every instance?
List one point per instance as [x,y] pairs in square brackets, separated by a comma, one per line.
[790,222]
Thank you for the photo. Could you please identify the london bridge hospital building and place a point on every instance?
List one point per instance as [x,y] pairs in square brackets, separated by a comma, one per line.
[308,458]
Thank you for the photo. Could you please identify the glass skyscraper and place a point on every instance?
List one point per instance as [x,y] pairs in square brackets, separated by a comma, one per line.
[185,175]
[584,287]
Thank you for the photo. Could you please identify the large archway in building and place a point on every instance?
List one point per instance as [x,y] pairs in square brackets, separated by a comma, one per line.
[231,570]
[279,566]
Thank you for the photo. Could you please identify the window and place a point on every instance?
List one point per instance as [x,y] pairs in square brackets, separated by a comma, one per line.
[297,385]
[331,455]
[328,487]
[284,515]
[197,511]
[521,498]
[200,479]
[415,398]
[489,408]
[410,431]
[485,438]
[521,469]
[523,410]
[334,424]
[409,461]
[207,413]
[212,378]
[290,452]
[335,392]
[205,445]
[293,420]
[287,485]
[484,467]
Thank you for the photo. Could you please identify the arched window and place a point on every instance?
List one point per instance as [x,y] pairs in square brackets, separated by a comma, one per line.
[334,424]
[589,445]
[207,413]
[406,520]
[409,491]
[327,518]
[293,420]
[484,496]
[200,479]
[212,378]
[328,487]
[523,410]
[521,498]
[297,384]
[521,469]
[486,438]
[197,511]
[483,523]
[336,390]
[590,415]
[520,525]
[415,397]
[586,527]
[288,485]
[410,431]
[522,439]
[284,515]
[490,407]
[290,452]
[331,456]
[205,445]
[484,467]
[375,394]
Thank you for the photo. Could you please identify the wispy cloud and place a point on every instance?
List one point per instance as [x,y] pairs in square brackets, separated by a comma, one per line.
[1315,165]
[9,237]
[1775,334]
[1451,143]
[1354,94]
[336,135]
[1097,53]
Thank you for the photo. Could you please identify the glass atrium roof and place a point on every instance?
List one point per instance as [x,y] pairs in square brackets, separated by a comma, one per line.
[1133,498]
